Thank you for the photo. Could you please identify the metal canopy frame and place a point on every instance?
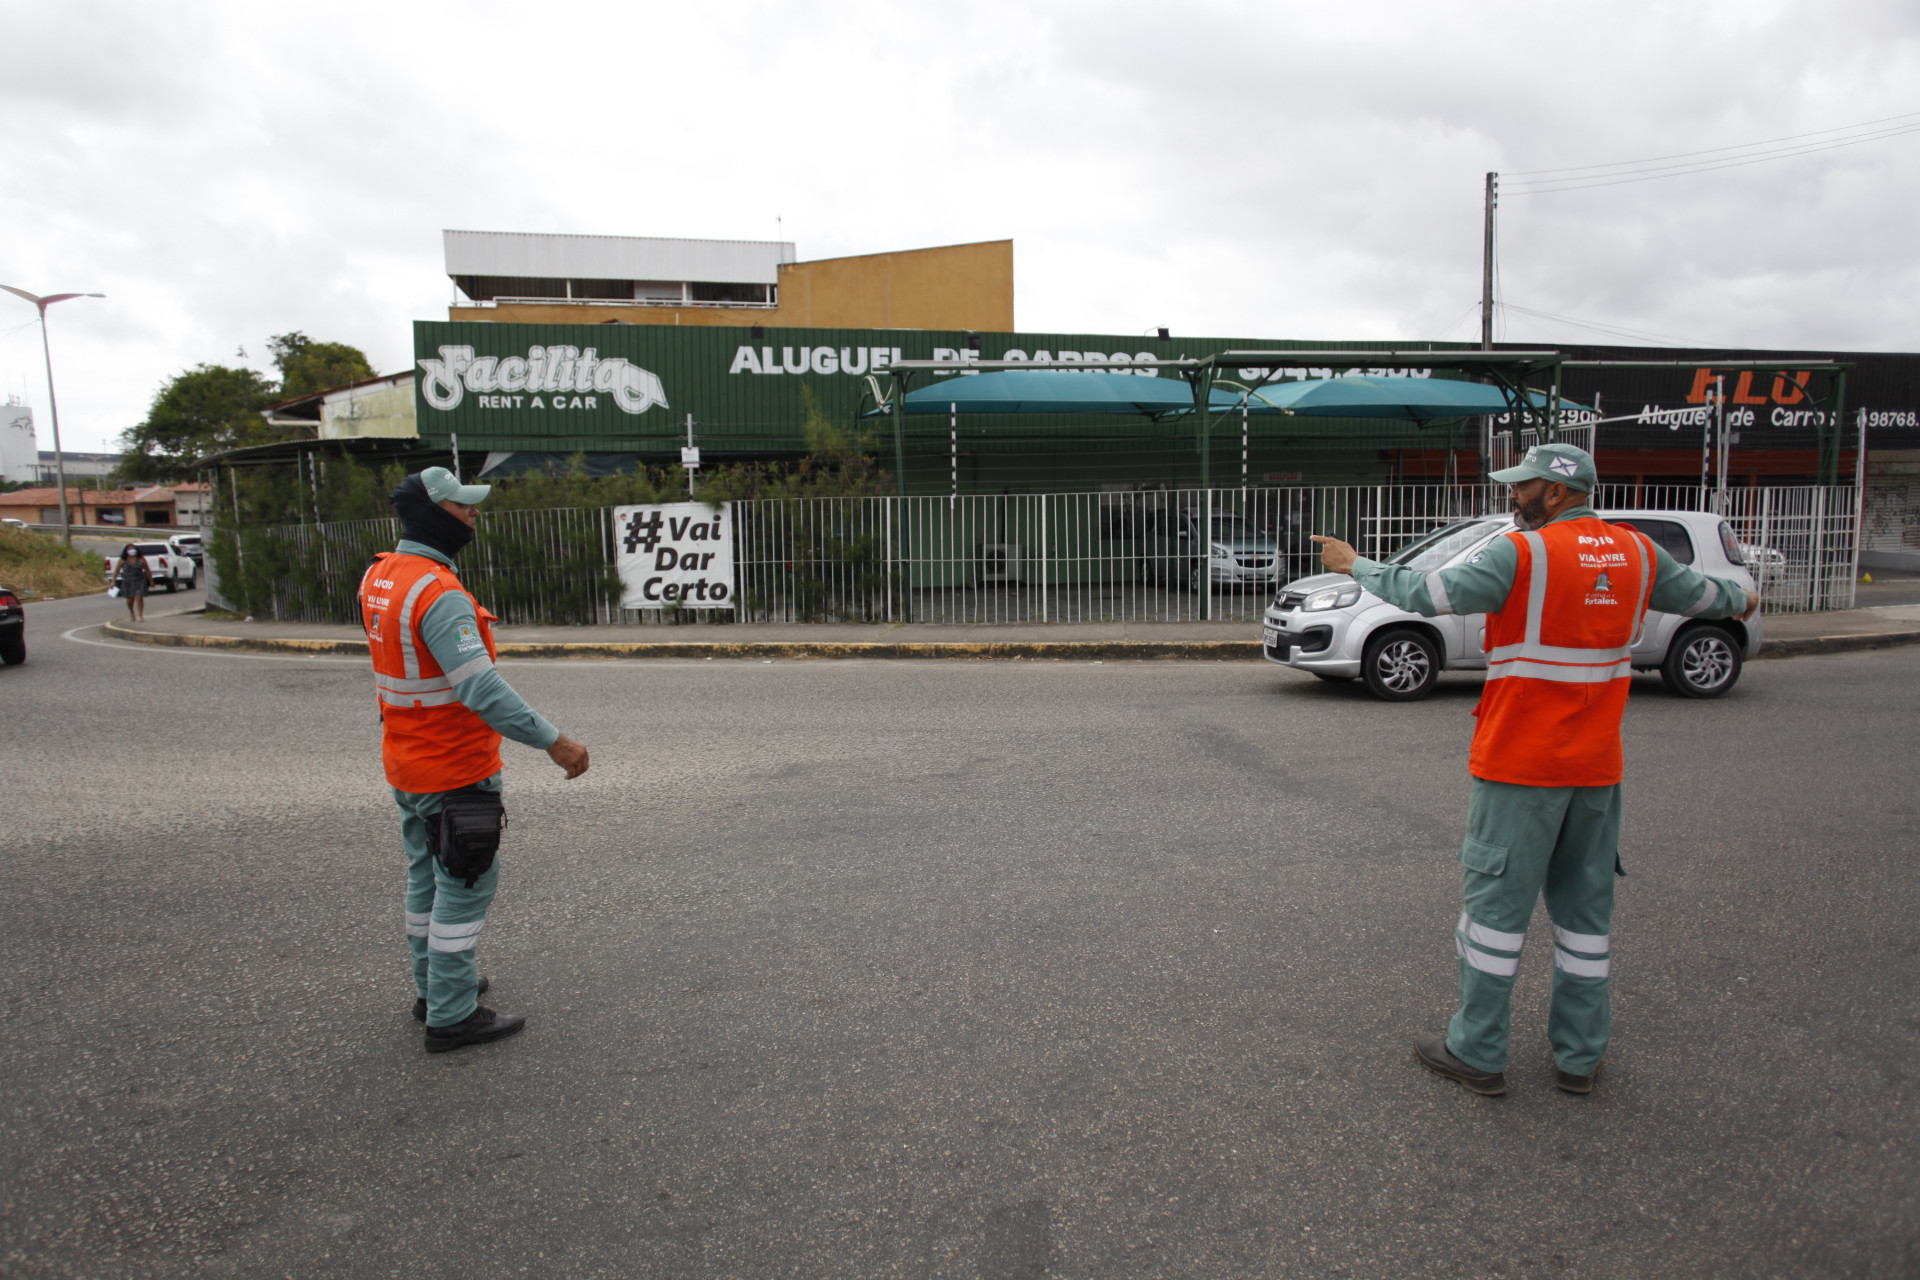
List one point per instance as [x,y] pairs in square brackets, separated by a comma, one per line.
[1507,370]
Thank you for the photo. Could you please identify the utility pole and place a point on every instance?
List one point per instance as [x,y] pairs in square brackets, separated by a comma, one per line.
[1486,263]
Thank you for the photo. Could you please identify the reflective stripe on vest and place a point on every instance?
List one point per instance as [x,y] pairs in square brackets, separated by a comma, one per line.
[1560,656]
[430,741]
[1537,661]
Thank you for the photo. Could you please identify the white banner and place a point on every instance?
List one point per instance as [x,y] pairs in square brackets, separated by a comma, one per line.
[675,553]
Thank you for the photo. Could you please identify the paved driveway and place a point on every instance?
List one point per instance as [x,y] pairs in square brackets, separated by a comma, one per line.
[937,969]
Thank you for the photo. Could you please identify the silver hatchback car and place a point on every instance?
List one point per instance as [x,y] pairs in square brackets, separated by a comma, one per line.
[1327,625]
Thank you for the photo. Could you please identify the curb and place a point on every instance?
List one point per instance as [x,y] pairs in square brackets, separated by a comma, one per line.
[1808,645]
[992,650]
[988,650]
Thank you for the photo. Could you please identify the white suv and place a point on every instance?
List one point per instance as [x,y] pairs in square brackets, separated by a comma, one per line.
[1329,626]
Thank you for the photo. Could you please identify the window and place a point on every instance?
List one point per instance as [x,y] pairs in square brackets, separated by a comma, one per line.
[1436,549]
[709,292]
[1669,535]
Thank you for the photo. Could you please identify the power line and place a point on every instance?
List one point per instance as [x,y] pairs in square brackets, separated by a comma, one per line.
[1682,155]
[1615,331]
[1655,173]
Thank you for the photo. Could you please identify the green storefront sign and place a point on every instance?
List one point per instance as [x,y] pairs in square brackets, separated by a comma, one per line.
[621,388]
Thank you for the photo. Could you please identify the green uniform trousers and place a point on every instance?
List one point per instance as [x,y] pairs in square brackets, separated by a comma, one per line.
[444,916]
[1521,840]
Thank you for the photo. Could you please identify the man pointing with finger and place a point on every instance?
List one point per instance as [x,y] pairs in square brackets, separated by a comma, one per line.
[1564,596]
[443,710]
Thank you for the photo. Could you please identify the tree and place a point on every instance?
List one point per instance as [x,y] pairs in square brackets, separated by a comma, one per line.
[307,366]
[207,409]
[211,408]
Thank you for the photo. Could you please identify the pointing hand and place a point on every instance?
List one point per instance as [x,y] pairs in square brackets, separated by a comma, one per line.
[1336,555]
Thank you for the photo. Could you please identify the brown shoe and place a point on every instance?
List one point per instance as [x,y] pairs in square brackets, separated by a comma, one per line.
[1573,1083]
[1433,1055]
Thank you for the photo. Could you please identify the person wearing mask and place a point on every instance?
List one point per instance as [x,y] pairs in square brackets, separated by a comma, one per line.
[1565,596]
[132,578]
[444,709]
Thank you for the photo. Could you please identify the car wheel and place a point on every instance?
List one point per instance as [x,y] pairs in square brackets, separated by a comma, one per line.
[1199,578]
[1702,662]
[194,581]
[173,585]
[14,652]
[1401,665]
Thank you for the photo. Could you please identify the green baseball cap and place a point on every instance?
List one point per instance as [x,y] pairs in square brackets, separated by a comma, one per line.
[1565,463]
[442,484]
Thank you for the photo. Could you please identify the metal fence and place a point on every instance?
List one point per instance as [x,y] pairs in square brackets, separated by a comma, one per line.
[1165,555]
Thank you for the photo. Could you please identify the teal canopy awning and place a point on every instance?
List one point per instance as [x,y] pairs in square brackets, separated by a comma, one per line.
[1420,399]
[1060,391]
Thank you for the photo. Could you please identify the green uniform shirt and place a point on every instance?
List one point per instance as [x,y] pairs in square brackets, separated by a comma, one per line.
[476,682]
[1482,584]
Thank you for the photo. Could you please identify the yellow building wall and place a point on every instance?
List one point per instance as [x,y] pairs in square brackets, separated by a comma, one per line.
[959,286]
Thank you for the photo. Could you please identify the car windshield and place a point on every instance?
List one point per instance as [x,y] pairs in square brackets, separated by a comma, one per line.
[1437,548]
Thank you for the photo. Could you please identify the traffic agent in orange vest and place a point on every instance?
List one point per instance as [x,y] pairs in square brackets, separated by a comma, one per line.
[1565,595]
[443,711]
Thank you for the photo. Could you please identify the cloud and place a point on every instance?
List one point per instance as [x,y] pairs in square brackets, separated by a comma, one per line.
[225,171]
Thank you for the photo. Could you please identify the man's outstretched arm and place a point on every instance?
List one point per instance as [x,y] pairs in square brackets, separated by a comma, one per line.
[483,690]
[1479,586]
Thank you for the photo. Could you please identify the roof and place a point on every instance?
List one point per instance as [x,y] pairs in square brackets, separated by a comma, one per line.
[77,496]
[571,257]
[313,399]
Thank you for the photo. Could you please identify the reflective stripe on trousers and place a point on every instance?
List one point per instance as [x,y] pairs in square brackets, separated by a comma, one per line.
[1469,939]
[1597,963]
[453,937]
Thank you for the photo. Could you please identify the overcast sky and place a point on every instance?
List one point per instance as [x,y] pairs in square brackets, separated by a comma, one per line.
[223,172]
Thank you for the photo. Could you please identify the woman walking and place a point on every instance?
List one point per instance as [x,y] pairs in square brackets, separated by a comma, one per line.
[132,578]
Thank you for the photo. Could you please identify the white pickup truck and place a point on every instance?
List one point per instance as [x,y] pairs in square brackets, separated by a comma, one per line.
[166,566]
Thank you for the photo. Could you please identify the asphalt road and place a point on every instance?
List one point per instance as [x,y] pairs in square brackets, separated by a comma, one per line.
[942,969]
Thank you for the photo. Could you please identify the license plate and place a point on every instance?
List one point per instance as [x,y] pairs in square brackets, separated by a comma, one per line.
[1271,638]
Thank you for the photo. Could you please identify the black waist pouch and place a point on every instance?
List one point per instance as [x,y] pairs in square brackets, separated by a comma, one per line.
[465,834]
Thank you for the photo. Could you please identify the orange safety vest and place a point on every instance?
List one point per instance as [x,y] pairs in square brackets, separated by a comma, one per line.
[1559,656]
[429,740]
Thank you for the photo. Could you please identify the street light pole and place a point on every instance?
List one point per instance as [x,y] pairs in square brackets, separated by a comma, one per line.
[53,406]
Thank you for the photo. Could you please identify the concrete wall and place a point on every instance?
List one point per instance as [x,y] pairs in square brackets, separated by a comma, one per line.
[961,286]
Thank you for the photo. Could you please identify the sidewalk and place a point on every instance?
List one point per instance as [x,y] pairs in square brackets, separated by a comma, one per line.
[1787,636]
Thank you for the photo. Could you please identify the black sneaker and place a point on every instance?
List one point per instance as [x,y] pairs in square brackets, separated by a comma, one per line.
[420,1002]
[1433,1055]
[1575,1084]
[481,1026]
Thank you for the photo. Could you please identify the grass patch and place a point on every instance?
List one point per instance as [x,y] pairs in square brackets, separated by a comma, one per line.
[41,567]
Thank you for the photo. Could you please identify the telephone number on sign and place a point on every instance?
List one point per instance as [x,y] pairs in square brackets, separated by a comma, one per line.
[1893,418]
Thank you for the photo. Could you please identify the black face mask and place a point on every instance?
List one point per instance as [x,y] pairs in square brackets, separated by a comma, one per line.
[426,521]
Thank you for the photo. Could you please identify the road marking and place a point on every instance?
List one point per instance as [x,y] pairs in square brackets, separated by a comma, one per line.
[363,663]
[75,636]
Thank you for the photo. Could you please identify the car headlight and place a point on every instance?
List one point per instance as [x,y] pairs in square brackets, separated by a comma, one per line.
[1222,552]
[1331,598]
